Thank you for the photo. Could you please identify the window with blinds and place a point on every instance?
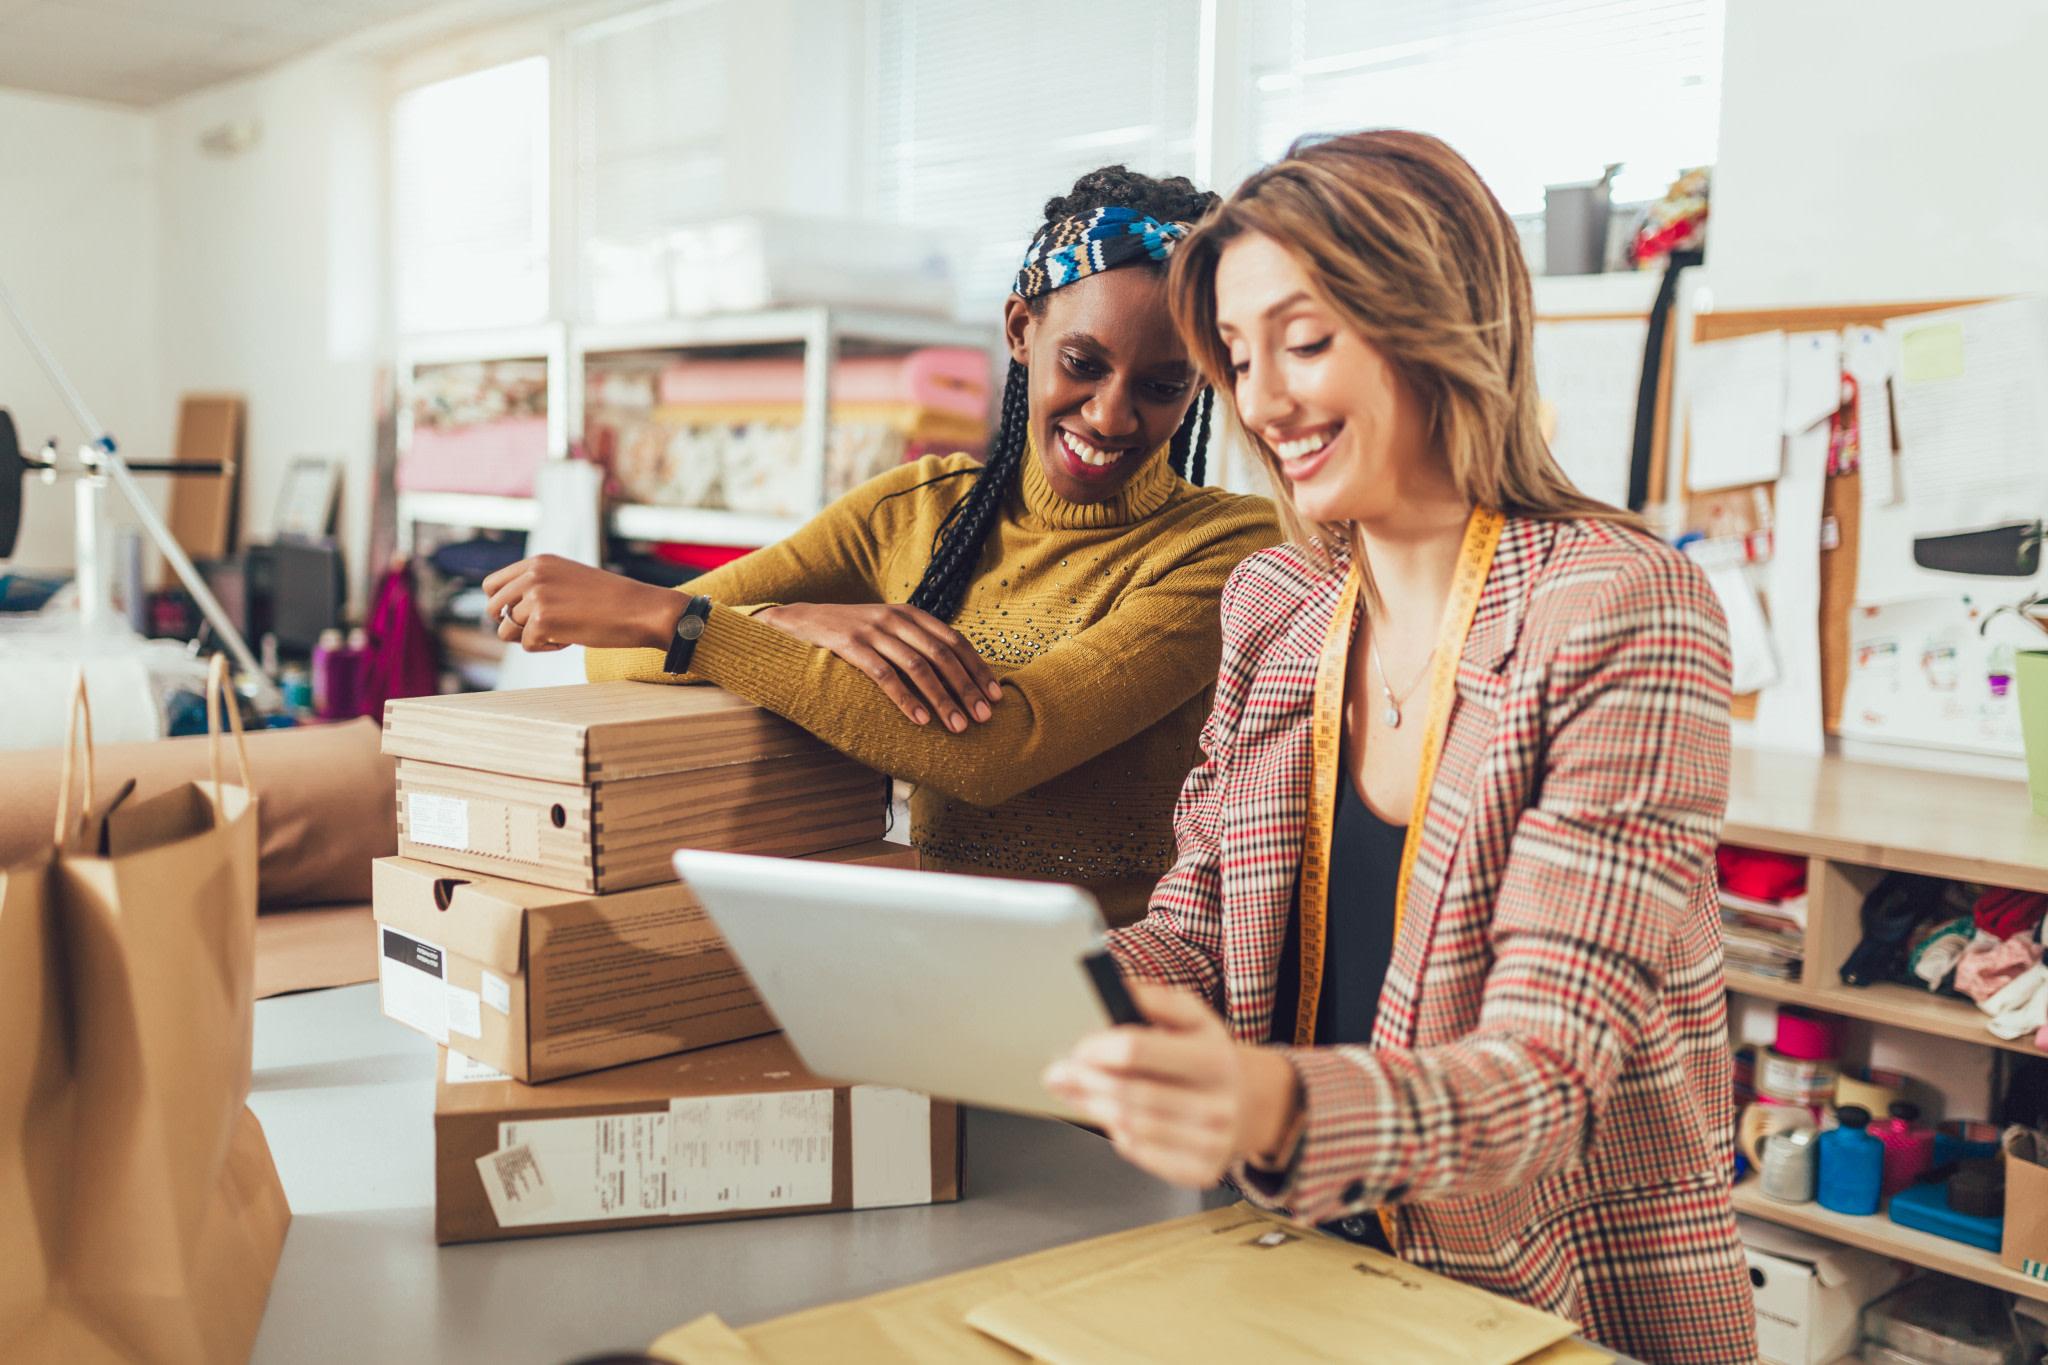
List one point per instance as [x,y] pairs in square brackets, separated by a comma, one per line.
[982,112]
[651,99]
[469,200]
[1532,92]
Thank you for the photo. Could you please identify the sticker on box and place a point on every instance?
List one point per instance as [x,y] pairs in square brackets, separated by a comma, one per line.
[468,1071]
[747,1152]
[412,982]
[497,993]
[892,1147]
[465,1012]
[441,821]
[513,1182]
[609,1166]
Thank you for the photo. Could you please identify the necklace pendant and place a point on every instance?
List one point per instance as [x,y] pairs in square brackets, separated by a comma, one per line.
[1392,716]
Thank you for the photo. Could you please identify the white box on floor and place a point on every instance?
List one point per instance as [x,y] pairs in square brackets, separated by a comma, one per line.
[1809,1292]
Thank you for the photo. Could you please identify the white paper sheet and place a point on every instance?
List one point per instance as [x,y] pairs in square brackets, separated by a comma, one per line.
[1755,662]
[468,1071]
[1867,359]
[1920,672]
[1589,372]
[1737,397]
[1972,391]
[1788,713]
[1813,378]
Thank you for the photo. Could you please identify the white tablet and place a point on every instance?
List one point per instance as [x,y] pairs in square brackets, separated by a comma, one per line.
[961,987]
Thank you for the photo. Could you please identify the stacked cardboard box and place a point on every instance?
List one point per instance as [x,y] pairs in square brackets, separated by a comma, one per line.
[532,923]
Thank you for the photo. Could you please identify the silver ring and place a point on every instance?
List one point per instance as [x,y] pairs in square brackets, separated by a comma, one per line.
[505,613]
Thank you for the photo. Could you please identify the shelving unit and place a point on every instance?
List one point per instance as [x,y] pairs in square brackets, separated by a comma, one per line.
[1877,1232]
[822,333]
[1855,822]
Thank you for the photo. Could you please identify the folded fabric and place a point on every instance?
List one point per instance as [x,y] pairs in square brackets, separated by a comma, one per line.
[2006,913]
[2022,1006]
[1890,913]
[1989,965]
[1760,875]
[1936,955]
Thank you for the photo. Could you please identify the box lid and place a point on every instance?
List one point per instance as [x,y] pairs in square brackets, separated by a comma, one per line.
[589,732]
[1832,1263]
[767,1064]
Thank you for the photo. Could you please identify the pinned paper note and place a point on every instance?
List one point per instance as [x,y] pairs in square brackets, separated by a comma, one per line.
[1931,353]
[1754,662]
[1813,379]
[1738,399]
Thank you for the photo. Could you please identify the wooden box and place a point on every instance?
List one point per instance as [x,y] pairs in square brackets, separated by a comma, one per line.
[591,788]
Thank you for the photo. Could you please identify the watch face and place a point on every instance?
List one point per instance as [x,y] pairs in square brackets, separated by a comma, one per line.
[690,627]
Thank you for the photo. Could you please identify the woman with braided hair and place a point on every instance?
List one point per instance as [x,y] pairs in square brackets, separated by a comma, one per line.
[1030,641]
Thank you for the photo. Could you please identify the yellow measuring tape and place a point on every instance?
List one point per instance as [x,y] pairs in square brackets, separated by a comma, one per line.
[1475,560]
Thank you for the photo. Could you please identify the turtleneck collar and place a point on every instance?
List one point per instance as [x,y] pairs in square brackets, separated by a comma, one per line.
[1143,494]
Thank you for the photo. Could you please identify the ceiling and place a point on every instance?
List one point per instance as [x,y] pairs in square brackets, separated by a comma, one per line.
[143,52]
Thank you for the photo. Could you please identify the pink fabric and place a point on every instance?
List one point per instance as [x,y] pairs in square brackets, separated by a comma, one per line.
[501,457]
[1988,965]
[402,659]
[952,379]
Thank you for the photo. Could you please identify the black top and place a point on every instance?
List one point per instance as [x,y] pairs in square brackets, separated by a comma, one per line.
[1358,933]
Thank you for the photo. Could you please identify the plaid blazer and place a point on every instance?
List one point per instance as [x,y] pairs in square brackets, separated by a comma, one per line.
[1546,1108]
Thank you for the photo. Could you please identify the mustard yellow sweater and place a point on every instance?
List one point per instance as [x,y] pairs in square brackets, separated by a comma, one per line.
[1101,620]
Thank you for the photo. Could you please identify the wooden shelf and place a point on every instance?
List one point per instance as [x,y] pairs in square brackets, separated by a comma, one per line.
[1877,1232]
[1973,829]
[1899,1006]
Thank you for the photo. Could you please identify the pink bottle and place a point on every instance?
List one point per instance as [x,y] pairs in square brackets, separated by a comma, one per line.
[1908,1148]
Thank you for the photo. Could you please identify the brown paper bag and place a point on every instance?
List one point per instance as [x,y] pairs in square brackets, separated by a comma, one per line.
[2025,1247]
[140,1215]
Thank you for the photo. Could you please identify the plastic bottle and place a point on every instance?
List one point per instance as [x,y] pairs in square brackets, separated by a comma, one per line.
[1908,1148]
[1851,1164]
[327,667]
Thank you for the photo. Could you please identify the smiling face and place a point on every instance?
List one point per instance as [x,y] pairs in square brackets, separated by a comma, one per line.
[1337,419]
[1110,380]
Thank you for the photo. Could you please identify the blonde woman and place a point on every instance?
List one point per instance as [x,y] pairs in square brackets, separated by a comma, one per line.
[1446,871]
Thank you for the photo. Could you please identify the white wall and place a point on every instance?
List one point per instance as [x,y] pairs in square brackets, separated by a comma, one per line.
[1876,150]
[78,249]
[274,279]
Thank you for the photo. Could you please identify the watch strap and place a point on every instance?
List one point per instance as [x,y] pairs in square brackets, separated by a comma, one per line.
[682,646]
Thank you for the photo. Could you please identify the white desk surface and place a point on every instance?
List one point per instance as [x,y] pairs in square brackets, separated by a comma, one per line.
[347,1101]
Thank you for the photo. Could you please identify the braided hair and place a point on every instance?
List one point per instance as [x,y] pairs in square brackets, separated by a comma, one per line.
[964,530]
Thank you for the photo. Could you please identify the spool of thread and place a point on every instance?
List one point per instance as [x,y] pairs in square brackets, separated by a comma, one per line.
[1869,1088]
[1795,1080]
[1807,1035]
[1764,1119]
[1978,1188]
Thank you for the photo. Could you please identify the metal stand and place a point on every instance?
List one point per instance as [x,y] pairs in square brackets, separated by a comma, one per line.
[101,466]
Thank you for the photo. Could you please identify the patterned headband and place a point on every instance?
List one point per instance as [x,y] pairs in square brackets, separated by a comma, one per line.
[1090,243]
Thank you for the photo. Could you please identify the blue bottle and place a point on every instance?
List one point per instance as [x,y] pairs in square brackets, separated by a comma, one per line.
[1851,1163]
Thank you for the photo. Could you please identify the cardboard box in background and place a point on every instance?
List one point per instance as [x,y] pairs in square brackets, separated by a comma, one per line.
[739,1131]
[592,787]
[1809,1292]
[541,983]
[2025,1247]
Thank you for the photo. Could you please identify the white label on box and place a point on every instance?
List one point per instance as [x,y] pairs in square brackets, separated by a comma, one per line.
[610,1166]
[468,1071]
[465,1012]
[746,1152]
[442,821]
[412,979]
[497,993]
[513,1182]
[892,1147]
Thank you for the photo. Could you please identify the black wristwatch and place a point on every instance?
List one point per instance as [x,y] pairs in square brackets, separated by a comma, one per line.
[689,627]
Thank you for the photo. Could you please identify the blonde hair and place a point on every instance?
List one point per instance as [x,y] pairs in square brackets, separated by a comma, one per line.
[1403,241]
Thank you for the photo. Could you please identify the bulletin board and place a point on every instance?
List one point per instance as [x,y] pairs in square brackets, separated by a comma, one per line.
[1842,496]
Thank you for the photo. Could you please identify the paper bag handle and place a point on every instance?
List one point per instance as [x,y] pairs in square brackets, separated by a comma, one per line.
[79,727]
[217,701]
